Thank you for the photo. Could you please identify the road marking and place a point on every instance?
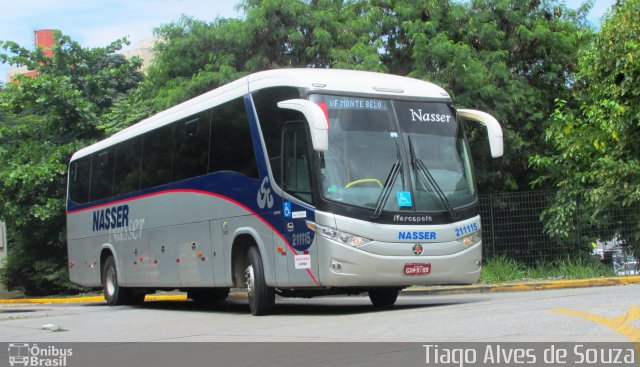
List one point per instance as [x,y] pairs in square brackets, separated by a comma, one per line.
[620,324]
[149,297]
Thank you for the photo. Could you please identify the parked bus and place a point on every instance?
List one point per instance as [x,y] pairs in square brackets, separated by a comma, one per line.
[294,182]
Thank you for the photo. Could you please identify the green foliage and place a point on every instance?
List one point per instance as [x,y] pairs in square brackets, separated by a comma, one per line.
[194,56]
[43,120]
[509,58]
[513,59]
[596,135]
[504,270]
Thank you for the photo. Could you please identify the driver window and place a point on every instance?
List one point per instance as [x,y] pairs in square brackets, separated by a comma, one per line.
[296,175]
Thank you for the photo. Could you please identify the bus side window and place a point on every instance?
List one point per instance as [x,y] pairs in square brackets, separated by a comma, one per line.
[297,177]
[127,166]
[271,121]
[157,149]
[79,179]
[101,175]
[231,141]
[191,147]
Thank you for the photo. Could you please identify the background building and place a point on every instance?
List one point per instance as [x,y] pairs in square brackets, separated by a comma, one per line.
[43,38]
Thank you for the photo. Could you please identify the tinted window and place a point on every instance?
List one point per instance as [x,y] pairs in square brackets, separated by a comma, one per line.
[156,157]
[101,174]
[191,147]
[297,180]
[127,166]
[272,120]
[231,142]
[79,173]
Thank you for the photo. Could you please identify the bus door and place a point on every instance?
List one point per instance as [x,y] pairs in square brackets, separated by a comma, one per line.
[297,208]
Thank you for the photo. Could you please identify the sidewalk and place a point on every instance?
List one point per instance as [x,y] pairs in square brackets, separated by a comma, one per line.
[435,290]
[533,285]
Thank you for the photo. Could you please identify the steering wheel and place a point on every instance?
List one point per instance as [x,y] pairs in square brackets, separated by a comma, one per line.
[364,180]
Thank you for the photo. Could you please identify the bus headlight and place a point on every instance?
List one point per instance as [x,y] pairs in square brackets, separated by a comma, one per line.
[338,236]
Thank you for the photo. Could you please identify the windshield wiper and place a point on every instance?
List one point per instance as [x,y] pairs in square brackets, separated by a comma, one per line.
[419,167]
[388,184]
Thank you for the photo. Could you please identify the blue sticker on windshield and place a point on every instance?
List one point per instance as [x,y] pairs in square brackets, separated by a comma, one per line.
[404,198]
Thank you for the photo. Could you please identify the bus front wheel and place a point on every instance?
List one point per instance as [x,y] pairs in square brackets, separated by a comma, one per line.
[114,294]
[261,297]
[383,297]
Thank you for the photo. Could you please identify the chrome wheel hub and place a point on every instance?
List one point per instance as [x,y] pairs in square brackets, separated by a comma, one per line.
[110,282]
[250,280]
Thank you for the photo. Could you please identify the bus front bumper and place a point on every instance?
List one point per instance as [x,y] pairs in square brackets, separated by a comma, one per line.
[344,266]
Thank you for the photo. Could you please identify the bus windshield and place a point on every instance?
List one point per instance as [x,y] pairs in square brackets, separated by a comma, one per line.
[368,137]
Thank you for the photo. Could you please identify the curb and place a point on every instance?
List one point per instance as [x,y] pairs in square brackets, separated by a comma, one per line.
[89,299]
[525,286]
[435,290]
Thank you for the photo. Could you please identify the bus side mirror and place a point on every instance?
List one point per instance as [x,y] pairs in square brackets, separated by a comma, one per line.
[493,129]
[316,118]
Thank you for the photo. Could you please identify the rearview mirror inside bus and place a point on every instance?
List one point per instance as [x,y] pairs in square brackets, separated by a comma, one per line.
[493,129]
[316,118]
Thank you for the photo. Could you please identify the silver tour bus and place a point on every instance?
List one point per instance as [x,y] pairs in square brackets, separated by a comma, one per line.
[295,182]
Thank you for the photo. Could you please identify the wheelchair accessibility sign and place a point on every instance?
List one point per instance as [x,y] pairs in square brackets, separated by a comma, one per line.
[404,198]
[287,209]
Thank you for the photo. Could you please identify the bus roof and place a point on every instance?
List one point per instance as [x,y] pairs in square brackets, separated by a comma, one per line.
[321,80]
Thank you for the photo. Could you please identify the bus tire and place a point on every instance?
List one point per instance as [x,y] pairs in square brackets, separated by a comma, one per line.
[261,297]
[208,295]
[114,294]
[383,297]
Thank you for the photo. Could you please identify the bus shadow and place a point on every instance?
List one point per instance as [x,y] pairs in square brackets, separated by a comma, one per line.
[321,306]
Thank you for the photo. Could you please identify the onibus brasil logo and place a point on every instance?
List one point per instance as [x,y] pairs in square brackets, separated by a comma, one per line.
[32,355]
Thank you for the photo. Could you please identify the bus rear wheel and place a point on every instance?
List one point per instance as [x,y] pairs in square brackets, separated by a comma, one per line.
[261,297]
[114,294]
[383,297]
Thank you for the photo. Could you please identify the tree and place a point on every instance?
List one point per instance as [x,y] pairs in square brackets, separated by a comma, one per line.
[43,120]
[510,58]
[194,56]
[599,142]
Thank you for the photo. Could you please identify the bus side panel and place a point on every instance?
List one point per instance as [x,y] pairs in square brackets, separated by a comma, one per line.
[133,256]
[302,254]
[163,257]
[220,266]
[84,262]
[281,261]
[195,254]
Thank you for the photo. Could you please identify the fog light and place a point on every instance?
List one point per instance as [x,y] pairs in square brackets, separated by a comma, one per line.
[336,266]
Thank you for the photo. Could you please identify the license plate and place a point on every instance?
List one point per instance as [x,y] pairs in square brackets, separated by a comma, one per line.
[417,269]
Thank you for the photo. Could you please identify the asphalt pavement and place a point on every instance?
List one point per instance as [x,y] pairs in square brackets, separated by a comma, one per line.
[523,286]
